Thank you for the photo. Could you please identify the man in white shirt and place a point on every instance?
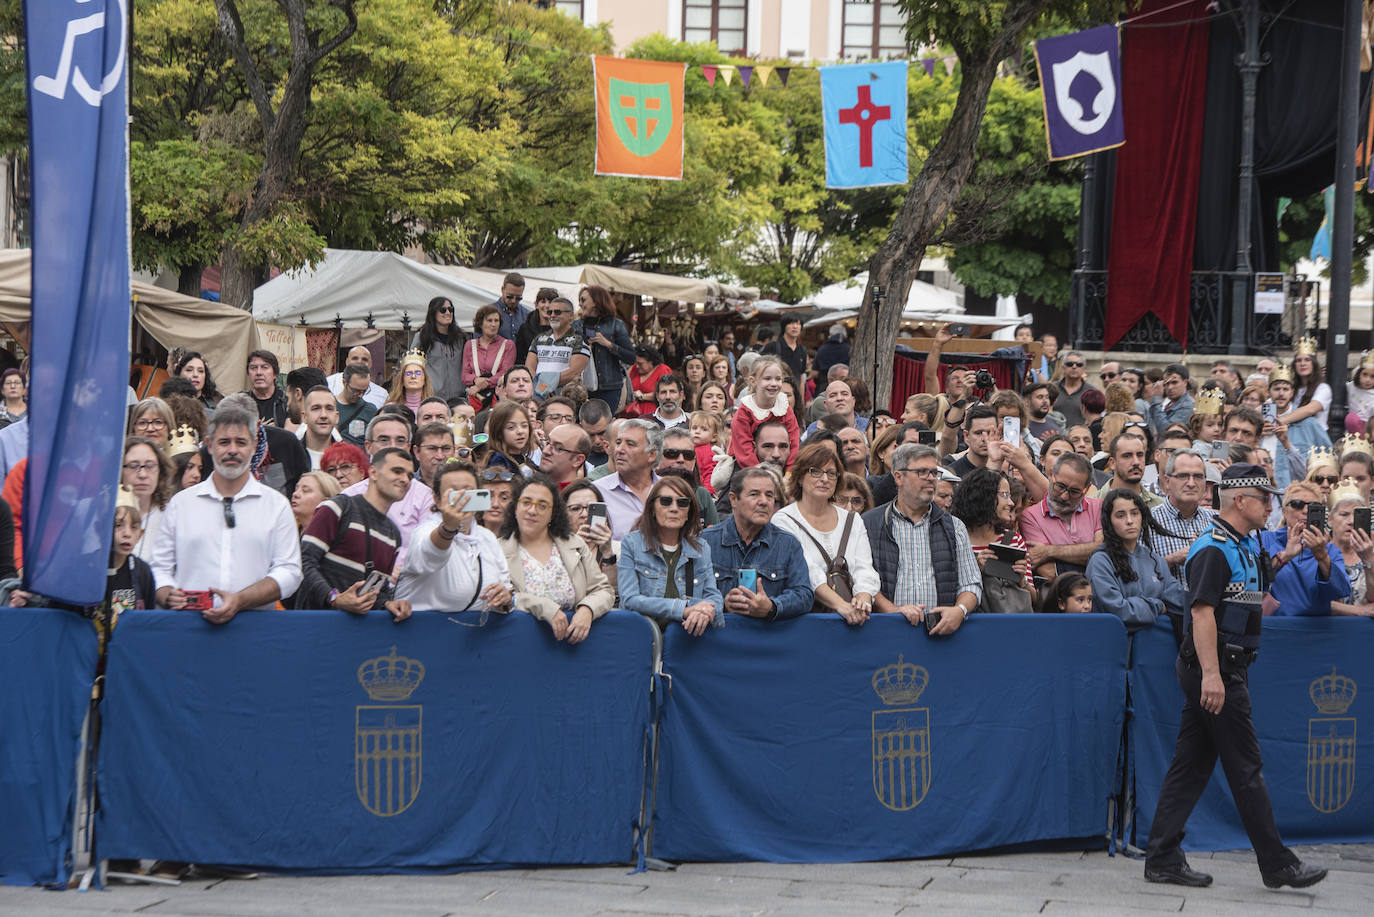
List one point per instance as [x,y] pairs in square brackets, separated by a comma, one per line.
[375,394]
[387,430]
[229,535]
[321,416]
[638,446]
[668,394]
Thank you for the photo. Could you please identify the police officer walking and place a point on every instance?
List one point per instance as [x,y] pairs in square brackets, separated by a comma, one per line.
[1227,577]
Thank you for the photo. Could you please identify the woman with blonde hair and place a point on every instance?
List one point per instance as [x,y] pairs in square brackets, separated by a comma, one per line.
[312,489]
[411,384]
[1119,398]
[1323,471]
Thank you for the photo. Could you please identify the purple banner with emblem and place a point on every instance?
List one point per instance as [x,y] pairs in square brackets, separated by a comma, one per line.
[79,166]
[1080,77]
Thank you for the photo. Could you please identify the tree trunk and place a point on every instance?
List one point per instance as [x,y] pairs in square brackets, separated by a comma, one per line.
[929,202]
[188,280]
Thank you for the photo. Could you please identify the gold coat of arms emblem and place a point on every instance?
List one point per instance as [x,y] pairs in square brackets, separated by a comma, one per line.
[901,737]
[386,736]
[1331,743]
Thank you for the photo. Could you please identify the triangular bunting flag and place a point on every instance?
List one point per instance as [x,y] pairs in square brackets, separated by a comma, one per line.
[782,74]
[727,73]
[764,72]
[950,61]
[709,72]
[744,74]
[929,64]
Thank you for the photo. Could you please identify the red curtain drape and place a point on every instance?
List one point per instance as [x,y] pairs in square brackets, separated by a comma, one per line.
[1164,83]
[908,377]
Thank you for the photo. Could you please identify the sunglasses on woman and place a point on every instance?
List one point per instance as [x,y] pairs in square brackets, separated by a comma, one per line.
[666,501]
[1325,479]
[492,474]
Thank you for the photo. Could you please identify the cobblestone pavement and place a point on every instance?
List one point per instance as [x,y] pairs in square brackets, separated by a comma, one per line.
[1028,883]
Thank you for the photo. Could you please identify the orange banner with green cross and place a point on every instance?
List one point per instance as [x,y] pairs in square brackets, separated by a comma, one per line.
[638,117]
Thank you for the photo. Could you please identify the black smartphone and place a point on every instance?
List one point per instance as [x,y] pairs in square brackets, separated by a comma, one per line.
[1362,518]
[931,619]
[1316,516]
[927,437]
[959,329]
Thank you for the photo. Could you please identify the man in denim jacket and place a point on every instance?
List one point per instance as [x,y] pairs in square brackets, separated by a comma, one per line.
[747,540]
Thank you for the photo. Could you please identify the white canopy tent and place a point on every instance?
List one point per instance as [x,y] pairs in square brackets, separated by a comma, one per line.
[563,279]
[354,284]
[849,294]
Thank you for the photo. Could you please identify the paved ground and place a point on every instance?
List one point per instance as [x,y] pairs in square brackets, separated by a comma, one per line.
[1032,883]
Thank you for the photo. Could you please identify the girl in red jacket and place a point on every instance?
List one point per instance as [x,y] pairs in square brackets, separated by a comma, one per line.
[765,402]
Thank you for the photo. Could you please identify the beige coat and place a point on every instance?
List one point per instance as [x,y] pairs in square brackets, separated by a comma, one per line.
[590,585]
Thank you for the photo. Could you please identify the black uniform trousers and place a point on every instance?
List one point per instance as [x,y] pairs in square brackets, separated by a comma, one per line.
[1202,738]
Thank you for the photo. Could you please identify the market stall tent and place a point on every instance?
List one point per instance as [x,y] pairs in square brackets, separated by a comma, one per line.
[356,285]
[224,334]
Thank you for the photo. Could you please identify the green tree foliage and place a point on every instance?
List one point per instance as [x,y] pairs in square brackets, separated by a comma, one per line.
[1298,226]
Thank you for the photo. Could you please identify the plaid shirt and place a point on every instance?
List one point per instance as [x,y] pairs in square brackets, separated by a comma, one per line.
[915,569]
[1167,515]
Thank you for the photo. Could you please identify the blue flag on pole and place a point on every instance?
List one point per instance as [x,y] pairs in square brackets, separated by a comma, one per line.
[864,108]
[1080,78]
[79,162]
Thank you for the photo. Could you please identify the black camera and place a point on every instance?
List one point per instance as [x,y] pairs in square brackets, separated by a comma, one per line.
[984,379]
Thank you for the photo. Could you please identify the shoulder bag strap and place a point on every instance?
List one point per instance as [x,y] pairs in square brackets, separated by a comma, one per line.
[844,536]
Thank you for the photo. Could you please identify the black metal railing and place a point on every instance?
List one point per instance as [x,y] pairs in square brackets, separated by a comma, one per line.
[1211,297]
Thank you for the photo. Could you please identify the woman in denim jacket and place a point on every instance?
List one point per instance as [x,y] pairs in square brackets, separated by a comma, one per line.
[657,557]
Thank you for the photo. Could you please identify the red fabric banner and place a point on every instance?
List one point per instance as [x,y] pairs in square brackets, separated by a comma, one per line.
[908,377]
[1164,83]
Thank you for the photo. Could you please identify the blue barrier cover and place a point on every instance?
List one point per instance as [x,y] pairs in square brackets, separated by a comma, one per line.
[317,740]
[810,741]
[48,658]
[1306,695]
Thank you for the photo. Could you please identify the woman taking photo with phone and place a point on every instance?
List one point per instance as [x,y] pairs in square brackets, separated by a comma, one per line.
[1350,533]
[454,564]
[579,496]
[1309,571]
[834,540]
[1129,579]
[555,575]
[665,568]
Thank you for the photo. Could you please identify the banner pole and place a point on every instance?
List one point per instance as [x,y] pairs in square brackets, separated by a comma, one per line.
[1343,217]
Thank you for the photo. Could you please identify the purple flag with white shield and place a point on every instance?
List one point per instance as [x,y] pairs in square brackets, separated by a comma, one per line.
[1080,77]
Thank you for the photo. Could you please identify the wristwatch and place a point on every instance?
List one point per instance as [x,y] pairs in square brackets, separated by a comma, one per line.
[960,606]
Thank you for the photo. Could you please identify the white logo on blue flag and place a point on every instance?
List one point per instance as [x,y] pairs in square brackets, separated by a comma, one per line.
[864,111]
[56,85]
[1080,77]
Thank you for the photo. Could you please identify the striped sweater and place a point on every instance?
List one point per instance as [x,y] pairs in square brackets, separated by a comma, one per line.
[345,534]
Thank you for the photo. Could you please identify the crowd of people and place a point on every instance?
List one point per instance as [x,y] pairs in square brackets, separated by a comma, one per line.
[541,460]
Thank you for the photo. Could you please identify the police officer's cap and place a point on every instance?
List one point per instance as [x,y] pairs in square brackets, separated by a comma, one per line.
[1244,474]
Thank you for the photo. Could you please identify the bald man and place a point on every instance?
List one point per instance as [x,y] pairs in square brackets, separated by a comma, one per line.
[376,395]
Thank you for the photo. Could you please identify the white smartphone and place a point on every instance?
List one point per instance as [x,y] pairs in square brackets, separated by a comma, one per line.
[478,500]
[1011,430]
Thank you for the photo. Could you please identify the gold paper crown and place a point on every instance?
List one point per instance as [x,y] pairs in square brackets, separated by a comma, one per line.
[1354,442]
[1345,491]
[1333,694]
[390,677]
[1367,360]
[1306,347]
[125,497]
[184,439]
[1209,401]
[1281,374]
[412,356]
[901,683]
[1318,456]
